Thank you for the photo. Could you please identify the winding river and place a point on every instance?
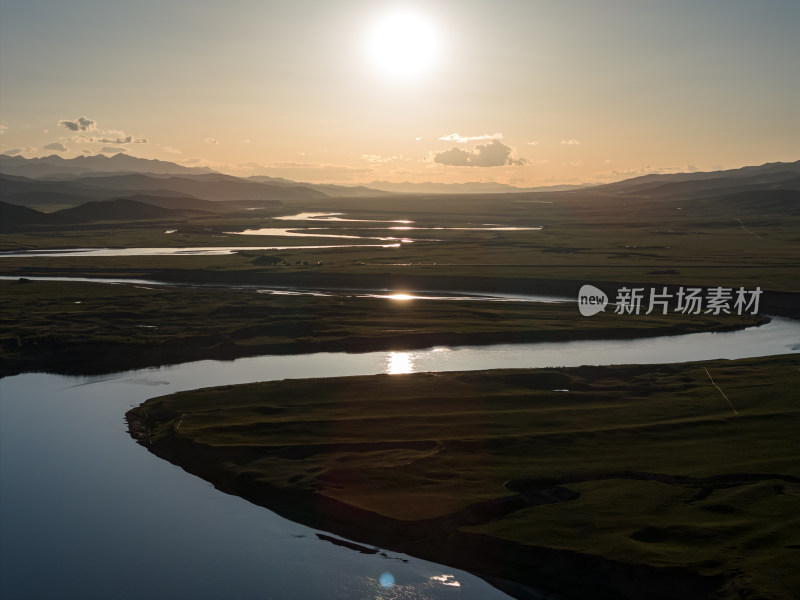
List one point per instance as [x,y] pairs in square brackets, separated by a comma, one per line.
[317,291]
[275,232]
[87,513]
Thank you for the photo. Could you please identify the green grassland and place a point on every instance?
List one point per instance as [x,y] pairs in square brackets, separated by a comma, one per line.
[583,237]
[638,482]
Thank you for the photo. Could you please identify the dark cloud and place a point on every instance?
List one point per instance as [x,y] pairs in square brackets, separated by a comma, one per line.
[79,124]
[114,138]
[19,151]
[57,146]
[107,136]
[454,157]
[111,150]
[494,154]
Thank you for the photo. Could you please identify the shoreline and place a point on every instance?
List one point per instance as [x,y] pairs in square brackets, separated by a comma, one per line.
[98,359]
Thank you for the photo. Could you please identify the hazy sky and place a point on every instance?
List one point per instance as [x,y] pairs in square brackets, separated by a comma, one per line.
[524,92]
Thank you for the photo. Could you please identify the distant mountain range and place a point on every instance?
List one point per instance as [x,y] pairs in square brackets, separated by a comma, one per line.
[188,189]
[55,166]
[334,191]
[51,193]
[110,175]
[387,188]
[474,187]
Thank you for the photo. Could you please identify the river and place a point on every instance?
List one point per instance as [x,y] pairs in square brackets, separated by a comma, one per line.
[87,513]
[273,232]
[316,291]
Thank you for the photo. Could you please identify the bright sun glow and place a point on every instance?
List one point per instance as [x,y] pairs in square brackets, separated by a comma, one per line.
[402,44]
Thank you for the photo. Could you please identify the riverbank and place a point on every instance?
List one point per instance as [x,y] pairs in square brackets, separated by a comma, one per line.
[638,482]
[93,328]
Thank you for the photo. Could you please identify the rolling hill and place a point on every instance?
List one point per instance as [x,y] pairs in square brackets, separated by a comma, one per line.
[334,191]
[686,186]
[14,217]
[122,209]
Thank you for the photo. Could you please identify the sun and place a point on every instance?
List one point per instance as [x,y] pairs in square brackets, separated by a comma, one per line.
[402,44]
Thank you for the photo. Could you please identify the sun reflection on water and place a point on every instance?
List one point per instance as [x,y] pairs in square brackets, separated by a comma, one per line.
[448,580]
[398,363]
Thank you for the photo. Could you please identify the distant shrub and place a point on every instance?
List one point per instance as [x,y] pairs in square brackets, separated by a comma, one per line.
[268,260]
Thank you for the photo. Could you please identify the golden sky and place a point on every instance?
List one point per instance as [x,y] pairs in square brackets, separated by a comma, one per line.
[522,92]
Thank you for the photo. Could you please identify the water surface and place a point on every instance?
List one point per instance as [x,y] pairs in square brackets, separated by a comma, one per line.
[188,251]
[87,513]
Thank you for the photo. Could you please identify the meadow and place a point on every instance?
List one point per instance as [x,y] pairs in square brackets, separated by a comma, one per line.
[583,237]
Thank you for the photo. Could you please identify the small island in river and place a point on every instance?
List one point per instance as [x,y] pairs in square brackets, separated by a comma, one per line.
[641,481]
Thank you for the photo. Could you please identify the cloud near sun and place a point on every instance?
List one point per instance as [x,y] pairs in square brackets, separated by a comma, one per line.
[79,124]
[454,137]
[493,154]
[110,136]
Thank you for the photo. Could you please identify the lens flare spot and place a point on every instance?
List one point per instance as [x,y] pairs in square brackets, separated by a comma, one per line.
[386,579]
